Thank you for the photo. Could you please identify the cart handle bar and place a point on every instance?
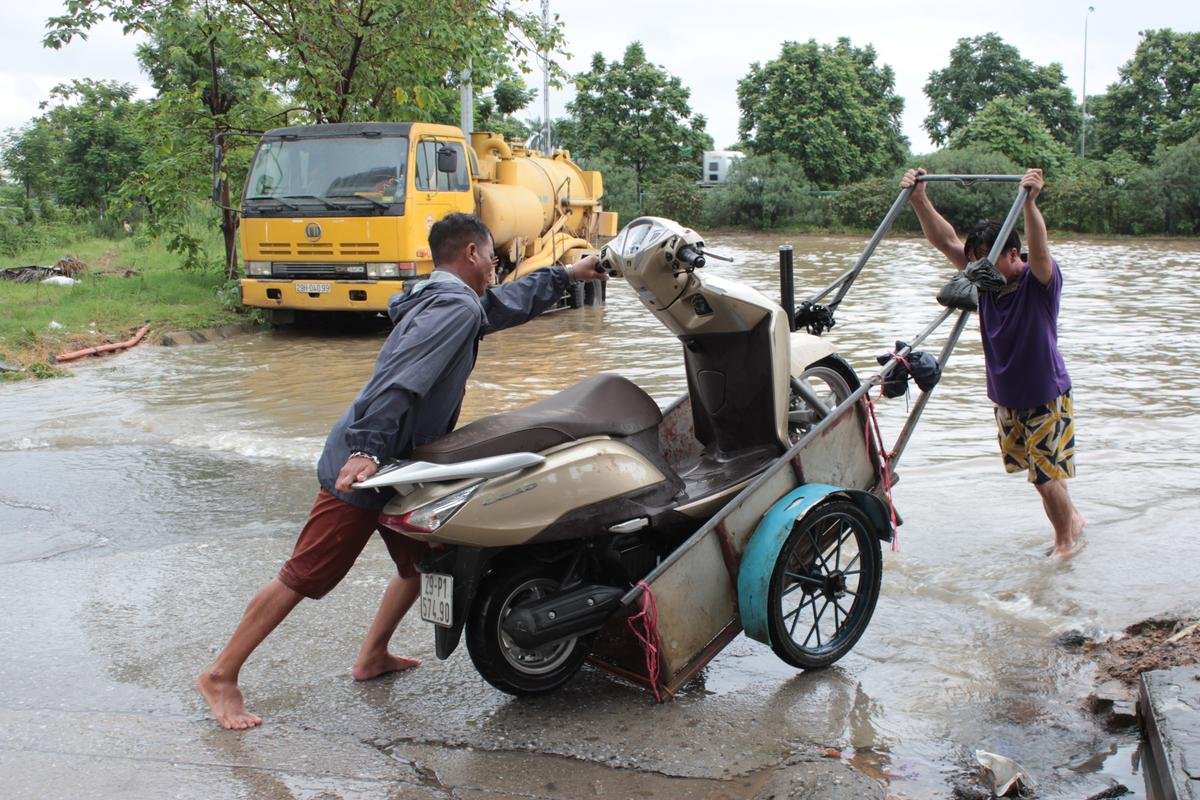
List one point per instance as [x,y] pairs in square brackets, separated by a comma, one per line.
[847,278]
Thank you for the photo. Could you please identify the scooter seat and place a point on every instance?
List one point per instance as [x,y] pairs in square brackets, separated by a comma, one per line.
[603,405]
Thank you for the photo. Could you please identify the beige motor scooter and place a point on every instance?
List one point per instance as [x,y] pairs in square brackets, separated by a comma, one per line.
[543,517]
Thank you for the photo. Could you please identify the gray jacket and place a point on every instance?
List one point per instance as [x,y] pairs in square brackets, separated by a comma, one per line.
[416,391]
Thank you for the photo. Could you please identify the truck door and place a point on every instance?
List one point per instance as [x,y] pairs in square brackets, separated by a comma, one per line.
[441,193]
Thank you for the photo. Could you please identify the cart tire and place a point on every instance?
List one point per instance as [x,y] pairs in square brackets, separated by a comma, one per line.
[828,377]
[824,586]
[509,668]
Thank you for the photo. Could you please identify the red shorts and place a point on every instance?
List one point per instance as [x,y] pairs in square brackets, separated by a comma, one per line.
[335,533]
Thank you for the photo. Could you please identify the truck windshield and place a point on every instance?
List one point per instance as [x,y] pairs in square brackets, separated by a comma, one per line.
[318,171]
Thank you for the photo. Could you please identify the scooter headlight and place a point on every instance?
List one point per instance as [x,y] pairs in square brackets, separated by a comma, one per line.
[433,515]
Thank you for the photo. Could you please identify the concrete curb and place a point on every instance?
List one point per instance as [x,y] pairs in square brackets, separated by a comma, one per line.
[1169,710]
[203,335]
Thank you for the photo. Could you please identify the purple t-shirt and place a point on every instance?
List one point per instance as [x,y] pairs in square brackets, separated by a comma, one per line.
[1020,342]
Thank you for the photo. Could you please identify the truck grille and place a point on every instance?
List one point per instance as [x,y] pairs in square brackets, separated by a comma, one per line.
[316,249]
[341,271]
[359,249]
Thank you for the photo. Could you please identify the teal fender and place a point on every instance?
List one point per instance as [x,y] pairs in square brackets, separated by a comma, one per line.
[760,555]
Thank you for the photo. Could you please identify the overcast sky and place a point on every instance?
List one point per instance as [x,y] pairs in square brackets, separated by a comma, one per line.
[709,50]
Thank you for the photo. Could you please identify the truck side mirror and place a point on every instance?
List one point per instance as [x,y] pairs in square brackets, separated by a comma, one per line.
[447,160]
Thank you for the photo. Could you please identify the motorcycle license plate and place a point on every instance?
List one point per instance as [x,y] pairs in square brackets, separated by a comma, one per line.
[437,599]
[314,288]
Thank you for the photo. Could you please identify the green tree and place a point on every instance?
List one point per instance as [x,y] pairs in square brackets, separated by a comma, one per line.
[637,114]
[983,68]
[30,155]
[496,112]
[211,82]
[392,59]
[1005,127]
[1156,100]
[620,184]
[676,197]
[831,109]
[212,60]
[1089,196]
[763,191]
[100,144]
[1178,176]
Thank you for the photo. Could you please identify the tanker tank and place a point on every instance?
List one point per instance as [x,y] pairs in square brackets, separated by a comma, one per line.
[542,210]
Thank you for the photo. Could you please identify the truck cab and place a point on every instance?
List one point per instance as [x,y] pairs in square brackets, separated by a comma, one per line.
[337,217]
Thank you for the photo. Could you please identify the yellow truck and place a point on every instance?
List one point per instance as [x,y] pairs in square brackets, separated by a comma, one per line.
[336,217]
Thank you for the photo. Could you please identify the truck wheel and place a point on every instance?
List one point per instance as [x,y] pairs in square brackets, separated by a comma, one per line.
[824,586]
[512,669]
[594,293]
[575,295]
[281,317]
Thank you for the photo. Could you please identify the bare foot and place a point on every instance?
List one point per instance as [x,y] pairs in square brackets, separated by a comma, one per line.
[374,667]
[1064,551]
[225,699]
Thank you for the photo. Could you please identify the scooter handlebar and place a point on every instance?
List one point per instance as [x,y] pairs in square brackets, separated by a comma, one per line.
[690,256]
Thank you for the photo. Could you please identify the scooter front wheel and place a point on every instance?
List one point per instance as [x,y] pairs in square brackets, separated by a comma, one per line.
[824,586]
[503,664]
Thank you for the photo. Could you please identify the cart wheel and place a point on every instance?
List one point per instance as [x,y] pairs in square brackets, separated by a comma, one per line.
[824,586]
[512,669]
[827,379]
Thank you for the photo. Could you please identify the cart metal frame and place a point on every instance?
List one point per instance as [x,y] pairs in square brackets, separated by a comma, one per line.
[695,589]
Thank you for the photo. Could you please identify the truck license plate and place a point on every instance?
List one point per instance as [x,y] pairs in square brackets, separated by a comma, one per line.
[314,288]
[437,599]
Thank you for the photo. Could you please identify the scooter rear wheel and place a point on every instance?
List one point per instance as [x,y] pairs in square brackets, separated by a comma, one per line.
[824,586]
[512,669]
[829,379]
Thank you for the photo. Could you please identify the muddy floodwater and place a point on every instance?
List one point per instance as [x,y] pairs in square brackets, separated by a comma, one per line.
[145,499]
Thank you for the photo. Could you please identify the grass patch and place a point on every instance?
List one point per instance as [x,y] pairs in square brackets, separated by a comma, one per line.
[128,282]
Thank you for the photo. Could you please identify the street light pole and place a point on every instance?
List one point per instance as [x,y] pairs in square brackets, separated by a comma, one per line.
[546,81]
[1083,113]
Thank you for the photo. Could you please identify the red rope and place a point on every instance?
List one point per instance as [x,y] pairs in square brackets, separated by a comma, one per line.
[885,472]
[648,635]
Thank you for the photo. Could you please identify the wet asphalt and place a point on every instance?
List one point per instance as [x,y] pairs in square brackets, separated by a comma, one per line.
[102,651]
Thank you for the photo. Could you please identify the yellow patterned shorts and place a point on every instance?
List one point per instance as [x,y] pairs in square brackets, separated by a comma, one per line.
[1040,440]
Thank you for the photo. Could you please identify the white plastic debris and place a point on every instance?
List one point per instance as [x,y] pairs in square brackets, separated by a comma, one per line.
[59,280]
[1008,777]
[55,325]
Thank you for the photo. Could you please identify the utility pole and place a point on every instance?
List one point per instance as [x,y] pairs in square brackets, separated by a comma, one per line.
[1083,113]
[545,54]
[466,102]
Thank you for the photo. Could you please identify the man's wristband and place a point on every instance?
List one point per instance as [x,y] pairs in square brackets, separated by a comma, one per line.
[570,268]
[368,456]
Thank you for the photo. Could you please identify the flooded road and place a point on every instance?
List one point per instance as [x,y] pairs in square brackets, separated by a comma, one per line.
[144,500]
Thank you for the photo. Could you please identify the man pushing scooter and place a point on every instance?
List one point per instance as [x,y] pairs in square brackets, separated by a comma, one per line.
[413,397]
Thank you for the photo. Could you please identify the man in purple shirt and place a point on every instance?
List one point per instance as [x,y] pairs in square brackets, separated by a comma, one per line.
[1026,377]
